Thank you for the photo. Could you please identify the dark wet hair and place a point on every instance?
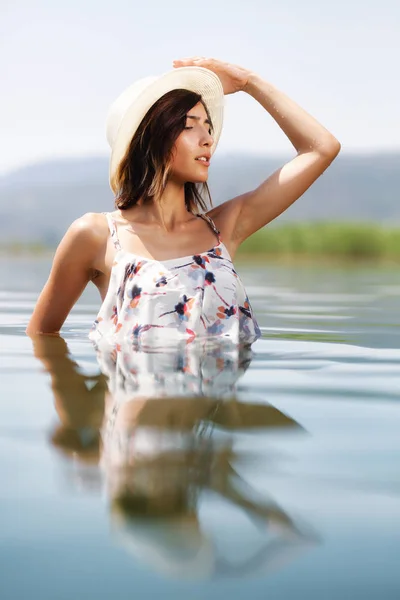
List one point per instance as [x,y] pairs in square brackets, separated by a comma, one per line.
[143,172]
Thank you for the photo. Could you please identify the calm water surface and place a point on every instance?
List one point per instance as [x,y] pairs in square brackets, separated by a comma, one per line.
[275,475]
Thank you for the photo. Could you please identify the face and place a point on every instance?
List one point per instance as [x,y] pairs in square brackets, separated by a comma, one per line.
[195,141]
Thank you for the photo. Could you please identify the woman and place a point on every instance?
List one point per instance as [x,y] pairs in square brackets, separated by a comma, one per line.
[162,267]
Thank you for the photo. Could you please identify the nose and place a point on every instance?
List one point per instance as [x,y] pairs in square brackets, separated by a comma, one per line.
[207,139]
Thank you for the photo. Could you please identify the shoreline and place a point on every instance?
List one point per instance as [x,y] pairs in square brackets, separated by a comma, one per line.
[288,243]
[248,258]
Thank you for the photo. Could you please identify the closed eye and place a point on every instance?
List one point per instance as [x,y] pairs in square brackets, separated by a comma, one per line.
[196,118]
[209,131]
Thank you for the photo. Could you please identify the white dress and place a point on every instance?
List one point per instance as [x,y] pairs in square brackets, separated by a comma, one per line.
[163,301]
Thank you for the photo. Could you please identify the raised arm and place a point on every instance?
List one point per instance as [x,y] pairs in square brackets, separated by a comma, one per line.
[316,148]
[73,267]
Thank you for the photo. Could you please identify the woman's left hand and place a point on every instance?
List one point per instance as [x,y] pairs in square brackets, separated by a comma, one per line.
[233,77]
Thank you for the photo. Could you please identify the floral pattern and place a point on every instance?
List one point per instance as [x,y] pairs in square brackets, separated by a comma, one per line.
[185,298]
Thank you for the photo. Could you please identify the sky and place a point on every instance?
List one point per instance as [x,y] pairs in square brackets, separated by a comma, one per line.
[62,64]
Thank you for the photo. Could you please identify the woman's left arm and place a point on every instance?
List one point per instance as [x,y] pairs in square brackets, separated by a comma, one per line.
[316,149]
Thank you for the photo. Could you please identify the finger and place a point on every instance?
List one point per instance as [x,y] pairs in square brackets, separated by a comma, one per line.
[195,61]
[190,59]
[182,61]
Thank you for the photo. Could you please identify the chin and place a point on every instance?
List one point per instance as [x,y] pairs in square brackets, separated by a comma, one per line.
[191,176]
[197,181]
[197,178]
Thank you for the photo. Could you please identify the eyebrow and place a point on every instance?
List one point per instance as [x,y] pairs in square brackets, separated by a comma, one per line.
[199,119]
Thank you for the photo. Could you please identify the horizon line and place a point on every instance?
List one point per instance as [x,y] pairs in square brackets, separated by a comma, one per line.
[223,153]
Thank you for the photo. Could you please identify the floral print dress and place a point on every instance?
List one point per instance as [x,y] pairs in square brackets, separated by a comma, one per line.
[162,301]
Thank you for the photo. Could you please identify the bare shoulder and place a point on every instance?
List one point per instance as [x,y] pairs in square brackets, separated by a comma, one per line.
[74,265]
[225,217]
[84,240]
[88,232]
[90,227]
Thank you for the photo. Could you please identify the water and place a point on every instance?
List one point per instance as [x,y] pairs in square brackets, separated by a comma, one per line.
[288,487]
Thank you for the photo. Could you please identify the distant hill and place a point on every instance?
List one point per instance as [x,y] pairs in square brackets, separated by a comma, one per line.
[38,202]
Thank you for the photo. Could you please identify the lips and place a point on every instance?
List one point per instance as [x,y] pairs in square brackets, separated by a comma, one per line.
[204,159]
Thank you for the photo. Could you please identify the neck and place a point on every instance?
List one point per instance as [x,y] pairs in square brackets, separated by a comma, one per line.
[167,212]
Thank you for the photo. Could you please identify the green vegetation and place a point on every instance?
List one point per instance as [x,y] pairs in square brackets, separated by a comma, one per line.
[340,241]
[294,241]
[24,249]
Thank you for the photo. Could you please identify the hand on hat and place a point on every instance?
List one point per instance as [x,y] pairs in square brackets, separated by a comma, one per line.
[233,77]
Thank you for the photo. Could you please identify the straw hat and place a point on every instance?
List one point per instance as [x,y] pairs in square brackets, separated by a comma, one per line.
[128,110]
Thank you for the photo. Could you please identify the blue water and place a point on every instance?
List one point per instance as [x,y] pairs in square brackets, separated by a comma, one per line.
[276,477]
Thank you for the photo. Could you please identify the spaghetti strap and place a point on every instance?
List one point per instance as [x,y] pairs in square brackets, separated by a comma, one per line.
[113,231]
[211,224]
[151,304]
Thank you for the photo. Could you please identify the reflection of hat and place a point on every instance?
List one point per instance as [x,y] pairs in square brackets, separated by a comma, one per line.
[129,109]
[176,547]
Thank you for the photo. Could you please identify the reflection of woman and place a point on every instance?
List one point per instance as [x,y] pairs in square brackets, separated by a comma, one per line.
[166,442]
[162,260]
[78,398]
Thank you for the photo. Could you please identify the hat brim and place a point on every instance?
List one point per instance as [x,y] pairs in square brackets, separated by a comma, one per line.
[196,79]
